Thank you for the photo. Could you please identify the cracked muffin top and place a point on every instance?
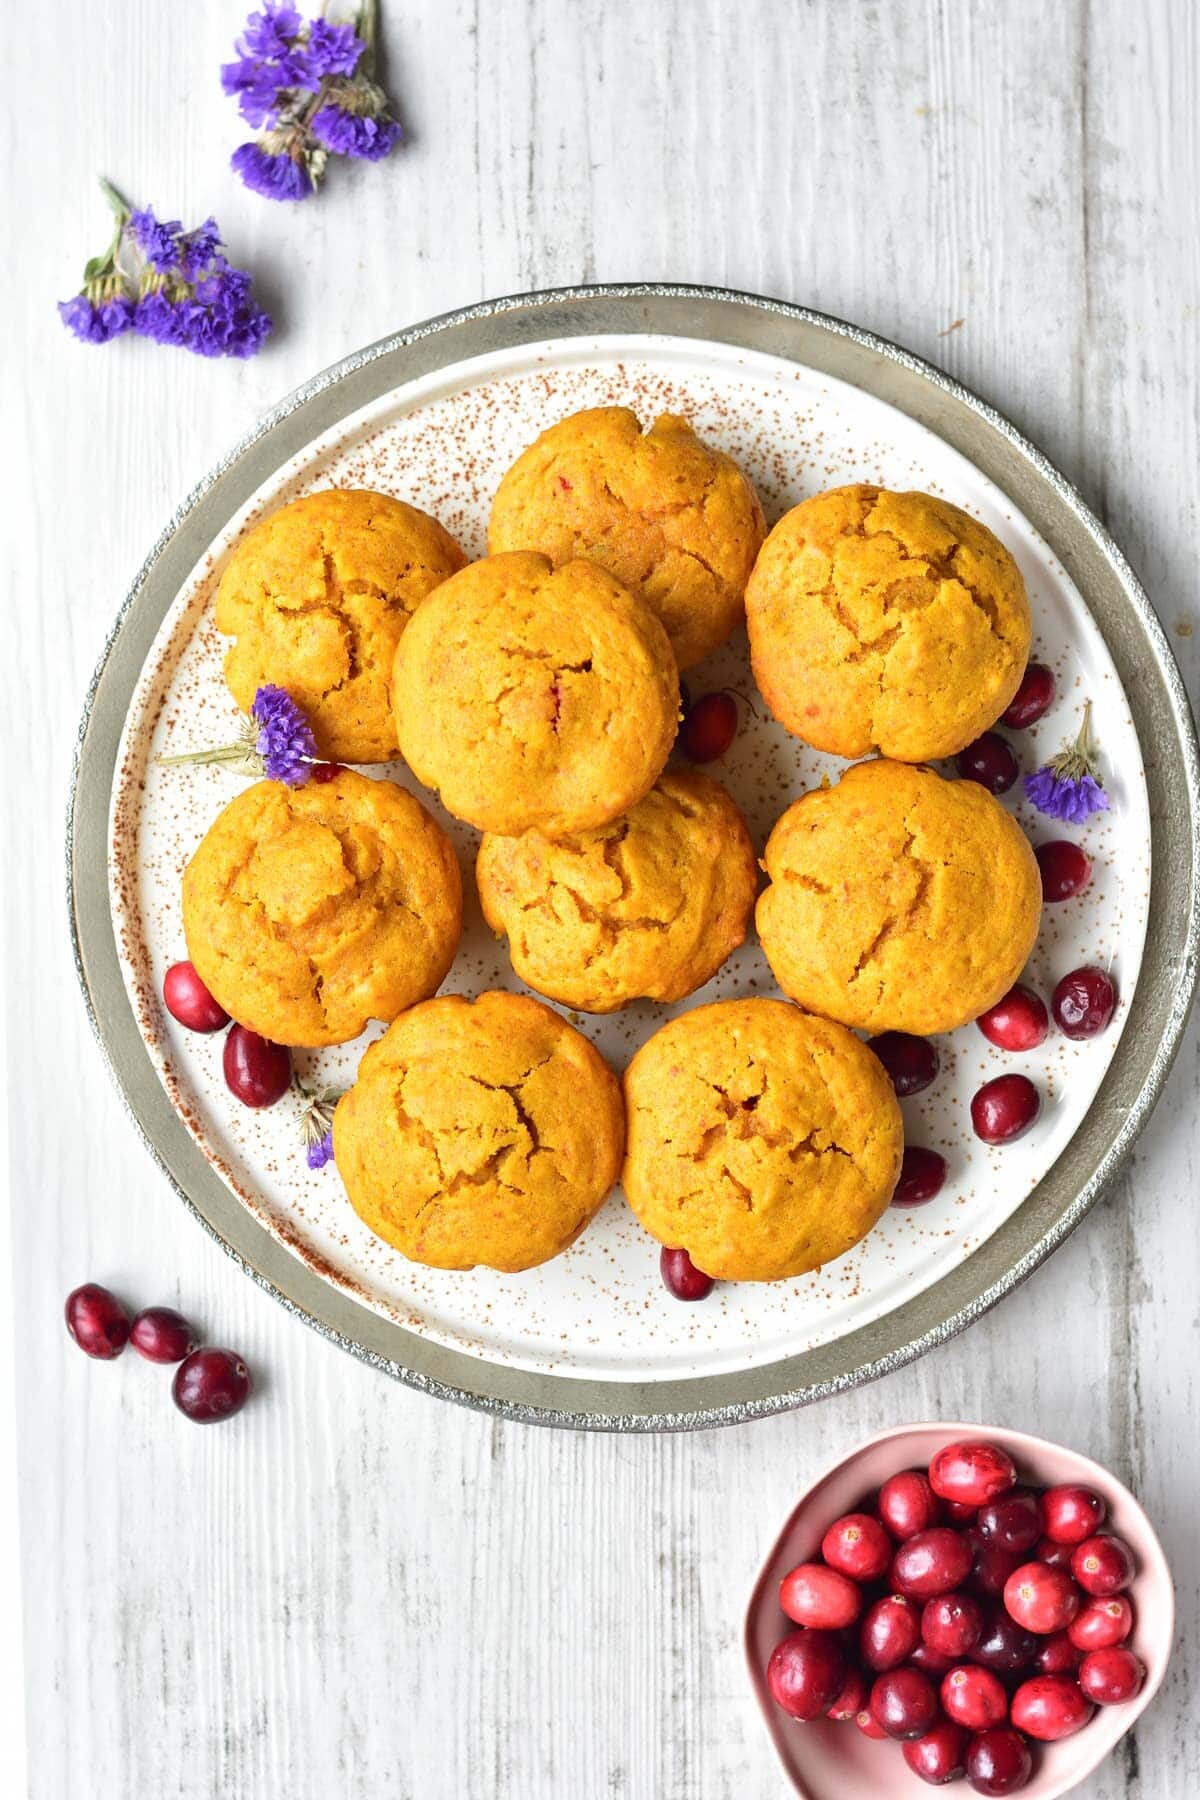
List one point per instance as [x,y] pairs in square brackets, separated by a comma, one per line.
[898,901]
[317,595]
[673,519]
[536,698]
[646,907]
[885,621]
[480,1132]
[762,1141]
[310,910]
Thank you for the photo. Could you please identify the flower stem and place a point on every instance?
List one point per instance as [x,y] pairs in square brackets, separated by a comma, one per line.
[241,755]
[367,28]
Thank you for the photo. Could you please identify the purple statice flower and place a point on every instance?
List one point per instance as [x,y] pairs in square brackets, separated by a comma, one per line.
[320,1151]
[285,740]
[355,134]
[159,318]
[198,248]
[276,174]
[271,32]
[333,49]
[158,242]
[95,322]
[1069,787]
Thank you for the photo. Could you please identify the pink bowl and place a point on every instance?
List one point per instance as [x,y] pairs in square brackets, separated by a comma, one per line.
[828,1761]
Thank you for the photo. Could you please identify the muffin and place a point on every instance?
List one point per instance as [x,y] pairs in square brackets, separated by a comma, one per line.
[762,1141]
[884,621]
[309,910]
[486,1132]
[647,907]
[673,519]
[536,698]
[898,901]
[316,596]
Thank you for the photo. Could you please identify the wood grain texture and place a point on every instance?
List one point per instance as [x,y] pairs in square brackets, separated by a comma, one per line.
[356,1591]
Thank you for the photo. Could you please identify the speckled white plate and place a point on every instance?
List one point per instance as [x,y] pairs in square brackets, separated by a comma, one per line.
[599,1314]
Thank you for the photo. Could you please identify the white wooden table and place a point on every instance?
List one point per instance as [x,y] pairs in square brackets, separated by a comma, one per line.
[357,1592]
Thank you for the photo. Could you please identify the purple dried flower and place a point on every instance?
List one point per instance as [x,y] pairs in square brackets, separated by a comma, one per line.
[158,242]
[285,740]
[316,1122]
[320,1152]
[355,134]
[97,322]
[333,49]
[271,32]
[198,248]
[158,318]
[1069,786]
[276,174]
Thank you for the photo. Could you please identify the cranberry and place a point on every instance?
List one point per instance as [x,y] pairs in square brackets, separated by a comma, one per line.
[97,1321]
[187,999]
[210,1385]
[853,1698]
[940,1755]
[858,1546]
[907,1504]
[991,761]
[257,1071]
[868,1725]
[1050,1707]
[162,1335]
[1014,1522]
[325,771]
[998,1761]
[1070,1513]
[682,1278]
[1033,698]
[709,727]
[1102,1624]
[951,1624]
[904,1702]
[1041,1599]
[1055,1556]
[1003,1109]
[1066,869]
[958,1512]
[1103,1565]
[1005,1646]
[813,1595]
[806,1673]
[912,1062]
[974,1697]
[992,1567]
[931,1662]
[1018,1022]
[934,1562]
[1111,1675]
[890,1632]
[1084,1002]
[1058,1655]
[973,1473]
[922,1174]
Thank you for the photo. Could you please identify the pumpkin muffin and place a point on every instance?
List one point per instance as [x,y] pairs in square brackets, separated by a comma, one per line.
[762,1141]
[647,907]
[898,901]
[486,1132]
[309,910]
[673,519]
[317,595]
[536,698]
[884,621]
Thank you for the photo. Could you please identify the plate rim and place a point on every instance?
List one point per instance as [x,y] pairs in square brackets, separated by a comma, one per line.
[1154,687]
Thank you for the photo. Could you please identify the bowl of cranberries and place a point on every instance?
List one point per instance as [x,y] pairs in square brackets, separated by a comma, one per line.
[958,1605]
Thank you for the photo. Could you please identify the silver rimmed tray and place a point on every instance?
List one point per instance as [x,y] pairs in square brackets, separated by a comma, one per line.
[746,330]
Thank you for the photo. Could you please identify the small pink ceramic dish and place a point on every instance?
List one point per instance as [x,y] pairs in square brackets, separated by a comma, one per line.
[831,1761]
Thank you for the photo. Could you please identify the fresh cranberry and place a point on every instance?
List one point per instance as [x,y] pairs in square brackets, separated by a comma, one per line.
[1084,1002]
[1055,1556]
[1004,1646]
[709,727]
[1041,1599]
[187,999]
[904,1702]
[97,1321]
[998,1761]
[911,1062]
[991,761]
[858,1546]
[934,1562]
[931,1662]
[682,1278]
[1102,1624]
[824,1598]
[853,1698]
[1013,1522]
[1049,1707]
[1071,1513]
[1018,1022]
[162,1335]
[1003,1109]
[257,1072]
[806,1673]
[974,1697]
[869,1725]
[939,1756]
[1066,869]
[1103,1565]
[992,1567]
[951,1624]
[973,1473]
[1111,1676]
[325,771]
[890,1632]
[922,1175]
[210,1385]
[957,1512]
[907,1504]
[1033,698]
[1058,1655]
